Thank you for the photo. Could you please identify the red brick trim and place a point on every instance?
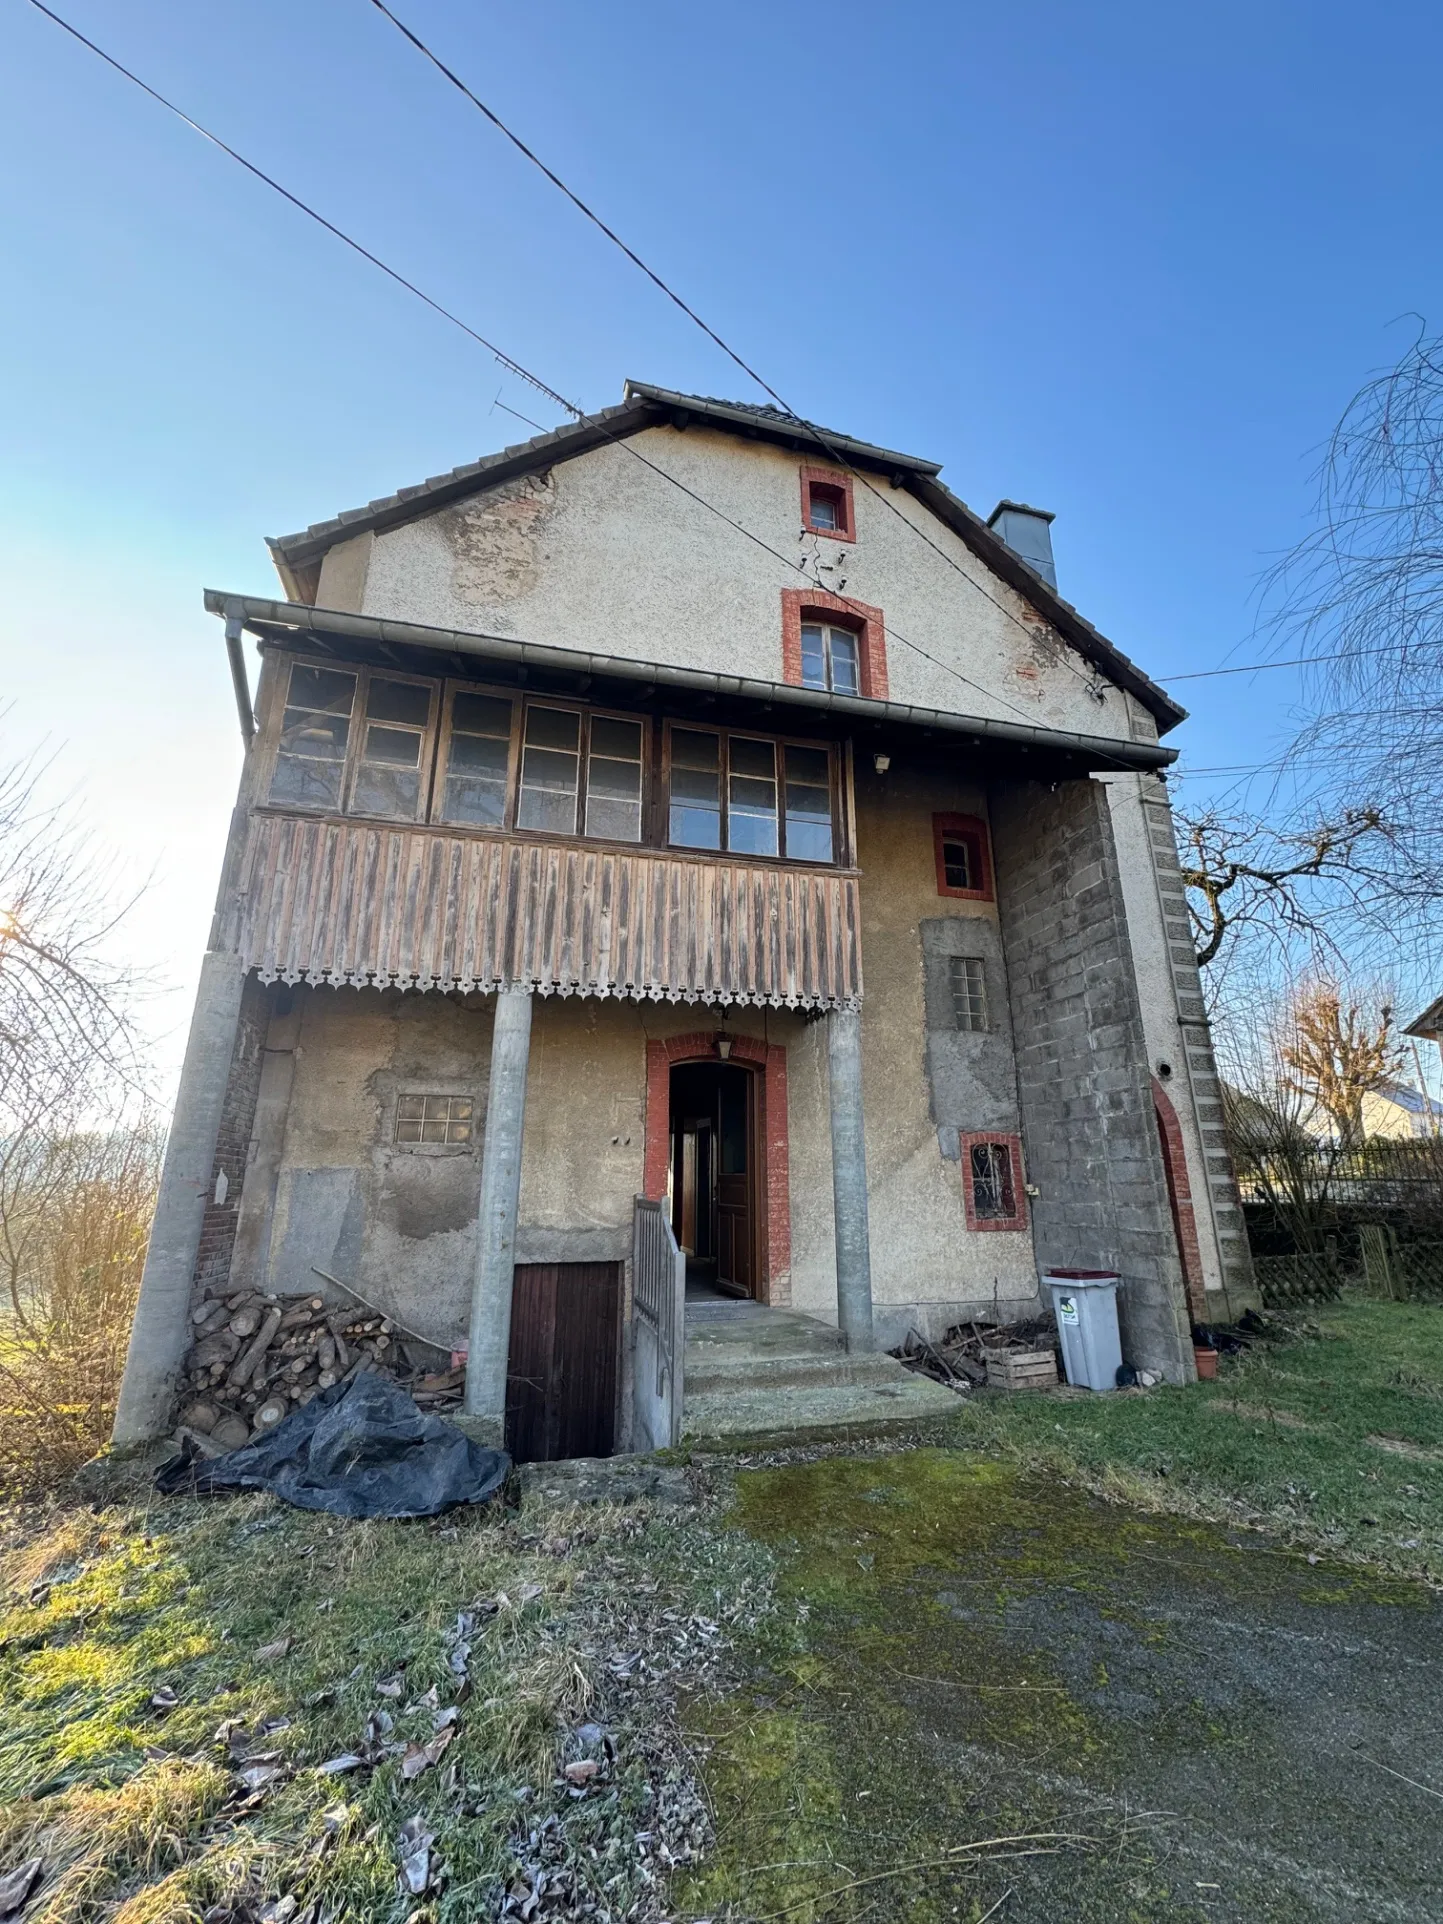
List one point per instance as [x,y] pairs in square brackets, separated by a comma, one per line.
[972,830]
[1013,1146]
[840,482]
[1179,1196]
[776,1204]
[800,603]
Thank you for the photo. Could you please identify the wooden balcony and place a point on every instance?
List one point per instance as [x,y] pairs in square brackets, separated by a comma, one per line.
[366,904]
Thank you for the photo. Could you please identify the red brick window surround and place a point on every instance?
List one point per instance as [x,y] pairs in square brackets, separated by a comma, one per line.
[805,605]
[963,854]
[827,503]
[992,1186]
[775,1203]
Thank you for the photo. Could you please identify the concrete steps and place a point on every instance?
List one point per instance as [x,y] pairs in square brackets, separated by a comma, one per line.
[758,1372]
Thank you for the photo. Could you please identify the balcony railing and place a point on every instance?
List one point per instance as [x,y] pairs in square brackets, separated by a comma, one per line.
[331,901]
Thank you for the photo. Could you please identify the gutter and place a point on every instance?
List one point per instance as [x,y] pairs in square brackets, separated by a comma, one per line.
[261,615]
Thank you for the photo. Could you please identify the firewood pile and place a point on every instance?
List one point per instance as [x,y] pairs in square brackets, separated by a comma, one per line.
[254,1358]
[961,1358]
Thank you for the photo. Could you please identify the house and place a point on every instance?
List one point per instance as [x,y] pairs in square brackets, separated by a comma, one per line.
[1398,1113]
[691,831]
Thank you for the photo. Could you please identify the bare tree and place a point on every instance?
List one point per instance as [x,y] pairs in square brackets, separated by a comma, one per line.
[1337,1052]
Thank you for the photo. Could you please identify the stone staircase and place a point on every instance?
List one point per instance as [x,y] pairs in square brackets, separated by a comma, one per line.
[758,1372]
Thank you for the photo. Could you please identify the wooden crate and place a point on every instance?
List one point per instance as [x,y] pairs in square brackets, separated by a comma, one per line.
[1022,1369]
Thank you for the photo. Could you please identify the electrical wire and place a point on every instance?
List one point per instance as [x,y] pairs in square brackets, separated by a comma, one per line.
[799,420]
[1256,667]
[515,367]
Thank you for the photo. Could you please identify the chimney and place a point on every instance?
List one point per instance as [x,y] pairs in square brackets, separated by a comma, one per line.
[1028,533]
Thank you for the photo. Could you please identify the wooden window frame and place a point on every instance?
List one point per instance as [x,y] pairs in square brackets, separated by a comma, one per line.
[838,484]
[972,1139]
[655,766]
[972,830]
[779,742]
[971,1028]
[838,611]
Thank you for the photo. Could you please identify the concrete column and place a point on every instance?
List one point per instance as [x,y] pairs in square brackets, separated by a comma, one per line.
[160,1334]
[849,1178]
[490,1342]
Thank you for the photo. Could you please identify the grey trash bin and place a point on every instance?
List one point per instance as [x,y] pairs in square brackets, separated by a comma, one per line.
[1084,1301]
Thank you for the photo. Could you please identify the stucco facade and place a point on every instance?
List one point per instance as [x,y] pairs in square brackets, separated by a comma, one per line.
[1036,1082]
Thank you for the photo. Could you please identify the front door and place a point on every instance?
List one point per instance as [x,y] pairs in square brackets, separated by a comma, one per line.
[714,1175]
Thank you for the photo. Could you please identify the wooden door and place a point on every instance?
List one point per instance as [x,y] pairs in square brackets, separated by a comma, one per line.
[736,1241]
[561,1374]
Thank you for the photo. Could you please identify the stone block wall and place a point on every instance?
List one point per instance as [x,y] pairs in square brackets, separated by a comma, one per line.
[1088,1127]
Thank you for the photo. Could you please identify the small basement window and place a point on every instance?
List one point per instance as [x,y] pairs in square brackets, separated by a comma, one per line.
[969,991]
[964,866]
[992,1182]
[434,1118]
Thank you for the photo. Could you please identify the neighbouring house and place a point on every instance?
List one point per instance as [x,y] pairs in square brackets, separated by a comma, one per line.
[691,849]
[1398,1113]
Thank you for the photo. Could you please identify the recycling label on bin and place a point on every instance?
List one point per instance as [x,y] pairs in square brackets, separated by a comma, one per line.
[1067,1309]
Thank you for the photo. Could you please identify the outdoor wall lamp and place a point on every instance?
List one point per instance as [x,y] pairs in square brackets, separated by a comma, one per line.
[881,763]
[724,1046]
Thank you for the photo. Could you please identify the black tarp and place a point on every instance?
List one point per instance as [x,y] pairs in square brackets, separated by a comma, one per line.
[360,1449]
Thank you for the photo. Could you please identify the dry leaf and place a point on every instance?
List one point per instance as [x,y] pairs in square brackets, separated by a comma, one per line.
[257,1776]
[337,1766]
[16,1886]
[582,1771]
[391,1686]
[273,1652]
[164,1699]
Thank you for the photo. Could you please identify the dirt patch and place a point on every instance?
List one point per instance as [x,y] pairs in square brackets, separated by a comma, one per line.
[1400,1446]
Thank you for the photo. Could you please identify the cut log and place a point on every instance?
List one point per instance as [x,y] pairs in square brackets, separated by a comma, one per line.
[231,1431]
[245,1368]
[271,1412]
[220,1348]
[200,1415]
[326,1352]
[246,1321]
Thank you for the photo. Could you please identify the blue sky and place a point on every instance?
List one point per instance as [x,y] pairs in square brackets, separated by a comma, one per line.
[1125,262]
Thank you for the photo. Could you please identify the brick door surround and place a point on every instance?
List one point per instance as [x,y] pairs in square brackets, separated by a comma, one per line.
[769,1061]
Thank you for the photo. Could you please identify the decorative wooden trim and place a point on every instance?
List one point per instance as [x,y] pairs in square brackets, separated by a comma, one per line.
[840,482]
[800,603]
[1013,1145]
[775,1206]
[972,830]
[1179,1195]
[344,902]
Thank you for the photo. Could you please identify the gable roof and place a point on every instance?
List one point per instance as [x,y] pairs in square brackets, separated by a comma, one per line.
[1429,1025]
[297,556]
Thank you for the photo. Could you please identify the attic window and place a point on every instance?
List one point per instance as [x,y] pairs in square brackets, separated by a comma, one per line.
[964,867]
[827,504]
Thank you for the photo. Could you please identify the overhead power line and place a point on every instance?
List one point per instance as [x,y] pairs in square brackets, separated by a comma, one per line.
[819,435]
[570,407]
[1256,667]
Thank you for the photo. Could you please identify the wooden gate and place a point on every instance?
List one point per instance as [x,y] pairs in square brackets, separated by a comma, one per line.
[561,1375]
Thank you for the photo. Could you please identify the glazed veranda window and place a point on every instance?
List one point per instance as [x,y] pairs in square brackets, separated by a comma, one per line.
[379,745]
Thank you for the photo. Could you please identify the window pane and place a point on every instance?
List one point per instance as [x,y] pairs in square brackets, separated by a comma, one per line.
[752,797]
[957,864]
[809,805]
[613,780]
[397,746]
[315,732]
[814,657]
[331,689]
[969,993]
[398,701]
[824,509]
[843,651]
[695,789]
[478,761]
[381,790]
[550,769]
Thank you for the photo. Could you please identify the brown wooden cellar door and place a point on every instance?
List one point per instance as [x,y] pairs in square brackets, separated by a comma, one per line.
[561,1376]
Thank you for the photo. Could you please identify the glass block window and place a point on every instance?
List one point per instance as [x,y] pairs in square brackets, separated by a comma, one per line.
[969,991]
[434,1119]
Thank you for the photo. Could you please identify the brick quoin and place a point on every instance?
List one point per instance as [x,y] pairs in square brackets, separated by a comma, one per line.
[1179,1189]
[801,604]
[218,1226]
[771,1060]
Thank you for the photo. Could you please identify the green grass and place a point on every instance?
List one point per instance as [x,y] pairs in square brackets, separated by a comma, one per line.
[138,1810]
[1333,1440]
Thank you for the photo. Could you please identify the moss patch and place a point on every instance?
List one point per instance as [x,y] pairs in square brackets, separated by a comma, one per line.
[967,1653]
